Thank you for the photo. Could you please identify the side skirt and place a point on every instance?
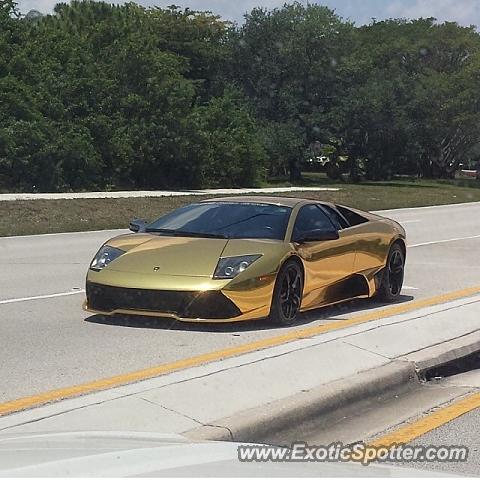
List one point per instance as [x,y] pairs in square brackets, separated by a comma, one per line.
[356,286]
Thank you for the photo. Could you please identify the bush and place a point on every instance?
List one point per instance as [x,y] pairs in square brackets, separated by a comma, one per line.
[226,143]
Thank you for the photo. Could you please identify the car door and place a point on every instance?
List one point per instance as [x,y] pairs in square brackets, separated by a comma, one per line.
[373,241]
[326,262]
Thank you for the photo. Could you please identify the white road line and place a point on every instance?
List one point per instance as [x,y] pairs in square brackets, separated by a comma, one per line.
[40,297]
[85,232]
[406,287]
[443,241]
[429,207]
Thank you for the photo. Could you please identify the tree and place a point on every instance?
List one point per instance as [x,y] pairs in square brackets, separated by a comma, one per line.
[226,143]
[409,106]
[123,96]
[284,144]
[287,61]
[446,106]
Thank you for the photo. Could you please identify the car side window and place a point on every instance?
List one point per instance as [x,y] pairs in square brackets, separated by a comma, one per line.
[338,220]
[352,217]
[309,218]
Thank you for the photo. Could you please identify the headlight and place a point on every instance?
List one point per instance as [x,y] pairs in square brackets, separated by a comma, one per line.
[104,256]
[230,267]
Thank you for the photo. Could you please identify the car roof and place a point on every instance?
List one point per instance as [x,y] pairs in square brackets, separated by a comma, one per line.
[283,201]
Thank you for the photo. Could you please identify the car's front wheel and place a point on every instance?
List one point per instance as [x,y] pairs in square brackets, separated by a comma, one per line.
[287,294]
[392,280]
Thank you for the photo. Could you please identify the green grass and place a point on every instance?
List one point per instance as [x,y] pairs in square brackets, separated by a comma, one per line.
[49,216]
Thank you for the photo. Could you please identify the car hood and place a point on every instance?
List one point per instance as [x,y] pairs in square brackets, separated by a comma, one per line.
[167,255]
[127,454]
[183,256]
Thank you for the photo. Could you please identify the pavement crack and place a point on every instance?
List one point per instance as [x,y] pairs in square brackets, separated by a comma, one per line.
[230,433]
[47,416]
[439,343]
[171,410]
[367,350]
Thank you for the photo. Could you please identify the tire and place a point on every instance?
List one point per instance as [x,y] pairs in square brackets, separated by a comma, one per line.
[393,274]
[287,294]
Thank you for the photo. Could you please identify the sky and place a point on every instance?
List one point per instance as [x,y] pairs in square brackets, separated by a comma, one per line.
[465,12]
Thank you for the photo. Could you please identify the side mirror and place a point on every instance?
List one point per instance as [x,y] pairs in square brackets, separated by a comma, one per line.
[137,226]
[318,236]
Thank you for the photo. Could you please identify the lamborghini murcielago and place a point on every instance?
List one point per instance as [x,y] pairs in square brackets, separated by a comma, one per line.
[243,258]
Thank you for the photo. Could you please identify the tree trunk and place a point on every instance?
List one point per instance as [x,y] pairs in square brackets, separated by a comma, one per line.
[294,171]
[452,150]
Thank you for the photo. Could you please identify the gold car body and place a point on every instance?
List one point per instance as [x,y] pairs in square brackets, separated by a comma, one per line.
[334,270]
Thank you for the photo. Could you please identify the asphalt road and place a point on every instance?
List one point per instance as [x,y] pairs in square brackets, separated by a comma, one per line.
[460,432]
[390,415]
[49,342]
[463,431]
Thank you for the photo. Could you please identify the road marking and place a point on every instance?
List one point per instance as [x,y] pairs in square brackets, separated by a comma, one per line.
[123,379]
[41,297]
[426,424]
[403,222]
[429,207]
[85,232]
[406,287]
[443,241]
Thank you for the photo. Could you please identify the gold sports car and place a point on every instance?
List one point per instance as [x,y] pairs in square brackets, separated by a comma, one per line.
[243,258]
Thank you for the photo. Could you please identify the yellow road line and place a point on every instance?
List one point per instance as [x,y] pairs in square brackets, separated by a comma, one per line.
[436,419]
[118,380]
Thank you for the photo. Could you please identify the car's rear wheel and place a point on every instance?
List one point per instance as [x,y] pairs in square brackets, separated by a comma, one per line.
[392,280]
[287,294]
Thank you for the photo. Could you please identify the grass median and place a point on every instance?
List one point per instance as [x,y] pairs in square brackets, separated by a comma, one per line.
[26,217]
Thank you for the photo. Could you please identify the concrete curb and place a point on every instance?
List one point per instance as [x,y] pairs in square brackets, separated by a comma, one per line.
[438,355]
[323,405]
[7,197]
[264,423]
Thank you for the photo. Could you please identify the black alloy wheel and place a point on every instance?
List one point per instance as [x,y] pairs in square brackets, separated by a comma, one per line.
[287,295]
[393,275]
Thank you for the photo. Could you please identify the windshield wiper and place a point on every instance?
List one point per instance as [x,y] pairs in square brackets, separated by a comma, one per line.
[182,233]
[246,220]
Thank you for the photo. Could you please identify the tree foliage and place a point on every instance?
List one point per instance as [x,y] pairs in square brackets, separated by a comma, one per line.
[123,96]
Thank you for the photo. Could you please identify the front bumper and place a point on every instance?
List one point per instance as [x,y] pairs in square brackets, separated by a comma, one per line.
[183,298]
[188,305]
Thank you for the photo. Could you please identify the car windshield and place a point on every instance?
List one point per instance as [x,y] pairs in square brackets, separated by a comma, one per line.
[225,220]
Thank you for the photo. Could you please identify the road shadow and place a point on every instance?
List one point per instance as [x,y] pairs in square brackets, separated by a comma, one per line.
[320,314]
